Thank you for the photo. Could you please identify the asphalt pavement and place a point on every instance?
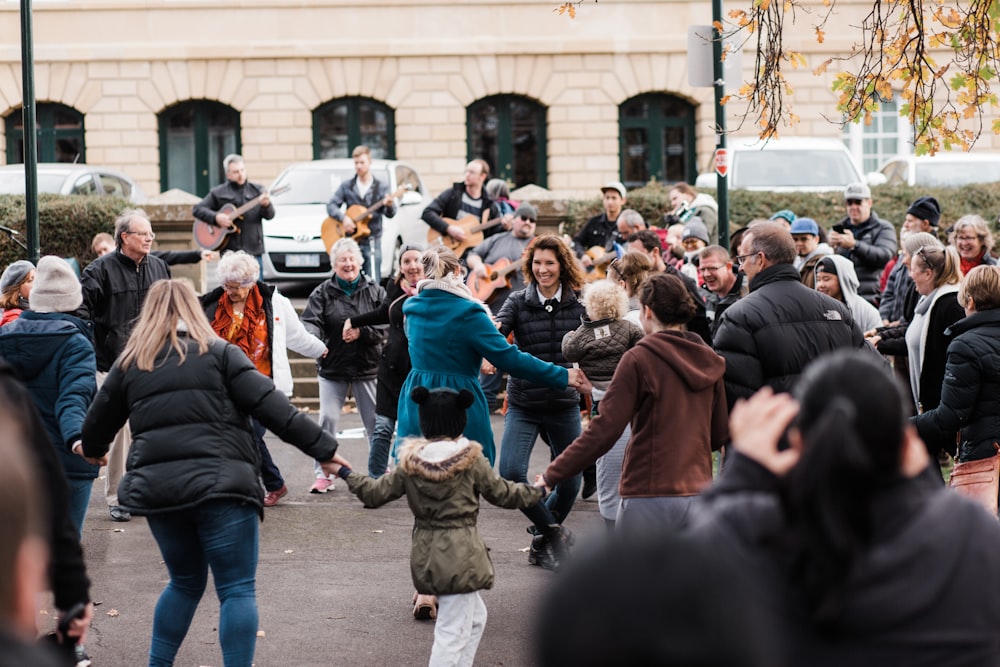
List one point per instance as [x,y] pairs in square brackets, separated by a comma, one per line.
[333,581]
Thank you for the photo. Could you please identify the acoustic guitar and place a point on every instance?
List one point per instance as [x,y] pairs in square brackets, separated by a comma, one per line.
[600,257]
[333,229]
[473,233]
[498,277]
[213,237]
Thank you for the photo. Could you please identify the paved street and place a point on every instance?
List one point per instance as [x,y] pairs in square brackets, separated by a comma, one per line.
[333,584]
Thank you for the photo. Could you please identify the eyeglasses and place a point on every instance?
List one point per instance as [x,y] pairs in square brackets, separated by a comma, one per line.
[742,259]
[232,287]
[145,235]
[966,238]
[709,269]
[854,202]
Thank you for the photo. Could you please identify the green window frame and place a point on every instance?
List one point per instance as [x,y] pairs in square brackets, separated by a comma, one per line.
[195,136]
[60,134]
[509,132]
[657,140]
[344,123]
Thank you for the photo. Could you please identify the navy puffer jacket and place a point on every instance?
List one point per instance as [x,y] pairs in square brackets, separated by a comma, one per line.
[539,333]
[769,336]
[191,435]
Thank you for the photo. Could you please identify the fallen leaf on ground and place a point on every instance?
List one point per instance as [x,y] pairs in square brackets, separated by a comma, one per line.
[112,612]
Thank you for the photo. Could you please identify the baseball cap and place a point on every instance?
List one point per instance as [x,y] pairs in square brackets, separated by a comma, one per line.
[805,226]
[784,214]
[857,191]
[618,186]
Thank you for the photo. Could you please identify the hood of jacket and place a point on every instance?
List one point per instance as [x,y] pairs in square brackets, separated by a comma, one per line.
[704,200]
[433,463]
[687,354]
[846,275]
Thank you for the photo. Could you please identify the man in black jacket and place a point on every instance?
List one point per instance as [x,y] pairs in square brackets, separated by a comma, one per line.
[237,190]
[114,289]
[769,336]
[601,231]
[462,199]
[865,239]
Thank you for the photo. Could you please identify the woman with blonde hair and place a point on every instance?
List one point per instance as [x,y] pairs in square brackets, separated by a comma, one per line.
[630,271]
[193,464]
[970,394]
[259,320]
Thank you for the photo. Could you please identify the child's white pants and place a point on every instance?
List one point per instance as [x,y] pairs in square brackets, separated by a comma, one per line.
[460,623]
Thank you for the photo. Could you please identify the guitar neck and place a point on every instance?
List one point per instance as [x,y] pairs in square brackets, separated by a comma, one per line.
[486,225]
[247,206]
[511,268]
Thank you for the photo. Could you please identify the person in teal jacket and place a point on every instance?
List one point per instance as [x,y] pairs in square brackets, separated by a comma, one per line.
[450,332]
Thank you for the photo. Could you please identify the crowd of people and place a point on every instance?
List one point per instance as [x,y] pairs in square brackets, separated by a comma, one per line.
[789,400]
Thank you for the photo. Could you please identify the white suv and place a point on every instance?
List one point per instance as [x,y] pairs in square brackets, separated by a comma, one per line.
[794,164]
[293,248]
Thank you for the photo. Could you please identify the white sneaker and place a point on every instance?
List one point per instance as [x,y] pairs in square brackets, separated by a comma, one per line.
[321,485]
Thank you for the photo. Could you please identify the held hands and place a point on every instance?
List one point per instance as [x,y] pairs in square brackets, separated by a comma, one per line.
[757,424]
[579,381]
[349,333]
[96,461]
[542,484]
[486,368]
[333,466]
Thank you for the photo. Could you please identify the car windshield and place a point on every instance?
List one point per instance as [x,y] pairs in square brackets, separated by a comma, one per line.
[12,183]
[957,173]
[786,168]
[315,186]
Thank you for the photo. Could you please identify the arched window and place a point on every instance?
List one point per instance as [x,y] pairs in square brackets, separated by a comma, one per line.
[342,124]
[657,140]
[195,136]
[59,131]
[508,131]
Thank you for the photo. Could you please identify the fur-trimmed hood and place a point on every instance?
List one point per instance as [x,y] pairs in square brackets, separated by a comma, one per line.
[438,460]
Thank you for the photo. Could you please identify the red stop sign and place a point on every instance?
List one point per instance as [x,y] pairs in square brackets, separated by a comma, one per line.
[721,162]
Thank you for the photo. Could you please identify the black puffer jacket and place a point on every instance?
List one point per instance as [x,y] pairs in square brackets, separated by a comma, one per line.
[970,393]
[876,245]
[191,435]
[769,336]
[114,289]
[540,333]
[328,308]
[394,364]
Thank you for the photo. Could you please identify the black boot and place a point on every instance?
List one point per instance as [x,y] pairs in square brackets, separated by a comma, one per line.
[550,550]
[589,481]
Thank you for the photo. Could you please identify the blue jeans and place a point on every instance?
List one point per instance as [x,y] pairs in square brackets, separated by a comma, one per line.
[521,429]
[79,499]
[268,470]
[218,534]
[381,443]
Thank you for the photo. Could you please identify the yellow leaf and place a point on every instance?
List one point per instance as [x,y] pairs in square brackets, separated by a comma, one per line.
[764,5]
[724,99]
[820,35]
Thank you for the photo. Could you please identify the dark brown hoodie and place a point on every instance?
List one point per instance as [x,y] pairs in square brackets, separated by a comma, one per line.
[670,387]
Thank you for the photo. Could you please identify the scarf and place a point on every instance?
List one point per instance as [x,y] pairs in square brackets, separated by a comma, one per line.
[348,287]
[246,330]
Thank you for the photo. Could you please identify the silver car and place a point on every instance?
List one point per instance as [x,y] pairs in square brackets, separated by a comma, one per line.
[64,178]
[293,247]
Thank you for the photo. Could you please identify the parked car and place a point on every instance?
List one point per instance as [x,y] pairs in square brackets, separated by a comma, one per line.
[65,178]
[293,248]
[793,164]
[943,169]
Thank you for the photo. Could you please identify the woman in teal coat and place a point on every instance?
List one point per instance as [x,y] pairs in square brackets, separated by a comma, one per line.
[450,332]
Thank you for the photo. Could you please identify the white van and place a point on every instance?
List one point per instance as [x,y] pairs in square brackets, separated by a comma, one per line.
[943,169]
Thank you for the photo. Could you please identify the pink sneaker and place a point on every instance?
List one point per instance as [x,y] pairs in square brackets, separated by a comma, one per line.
[321,485]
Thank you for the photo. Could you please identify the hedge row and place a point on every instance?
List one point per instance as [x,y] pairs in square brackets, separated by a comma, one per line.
[66,224]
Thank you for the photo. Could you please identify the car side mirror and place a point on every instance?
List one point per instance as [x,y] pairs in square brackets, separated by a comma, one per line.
[411,197]
[875,178]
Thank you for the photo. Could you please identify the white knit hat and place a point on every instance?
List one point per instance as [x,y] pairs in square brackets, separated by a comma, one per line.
[56,288]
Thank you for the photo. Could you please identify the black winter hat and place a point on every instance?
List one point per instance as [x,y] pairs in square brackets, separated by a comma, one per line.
[926,208]
[442,411]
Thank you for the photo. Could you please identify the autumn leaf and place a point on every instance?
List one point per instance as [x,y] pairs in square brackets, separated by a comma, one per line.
[820,35]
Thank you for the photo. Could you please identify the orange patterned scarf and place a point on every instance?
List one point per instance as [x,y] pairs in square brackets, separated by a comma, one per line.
[246,330]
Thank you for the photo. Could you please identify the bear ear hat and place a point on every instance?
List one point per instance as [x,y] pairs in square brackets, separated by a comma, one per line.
[420,394]
[464,399]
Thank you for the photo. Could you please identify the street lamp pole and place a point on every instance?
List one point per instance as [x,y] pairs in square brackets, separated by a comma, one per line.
[719,86]
[30,137]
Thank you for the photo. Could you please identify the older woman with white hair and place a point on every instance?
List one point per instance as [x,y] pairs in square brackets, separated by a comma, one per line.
[261,321]
[352,363]
[973,240]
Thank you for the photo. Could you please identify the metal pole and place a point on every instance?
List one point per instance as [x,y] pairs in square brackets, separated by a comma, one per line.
[718,78]
[30,137]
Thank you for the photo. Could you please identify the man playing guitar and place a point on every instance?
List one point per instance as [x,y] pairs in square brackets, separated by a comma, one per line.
[237,190]
[461,200]
[364,190]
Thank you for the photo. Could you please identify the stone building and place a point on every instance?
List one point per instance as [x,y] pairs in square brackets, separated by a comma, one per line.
[163,89]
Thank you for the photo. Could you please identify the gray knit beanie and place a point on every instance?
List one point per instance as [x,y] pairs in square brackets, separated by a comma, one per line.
[56,288]
[15,274]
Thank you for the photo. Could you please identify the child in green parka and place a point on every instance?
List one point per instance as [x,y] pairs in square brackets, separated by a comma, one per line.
[442,476]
